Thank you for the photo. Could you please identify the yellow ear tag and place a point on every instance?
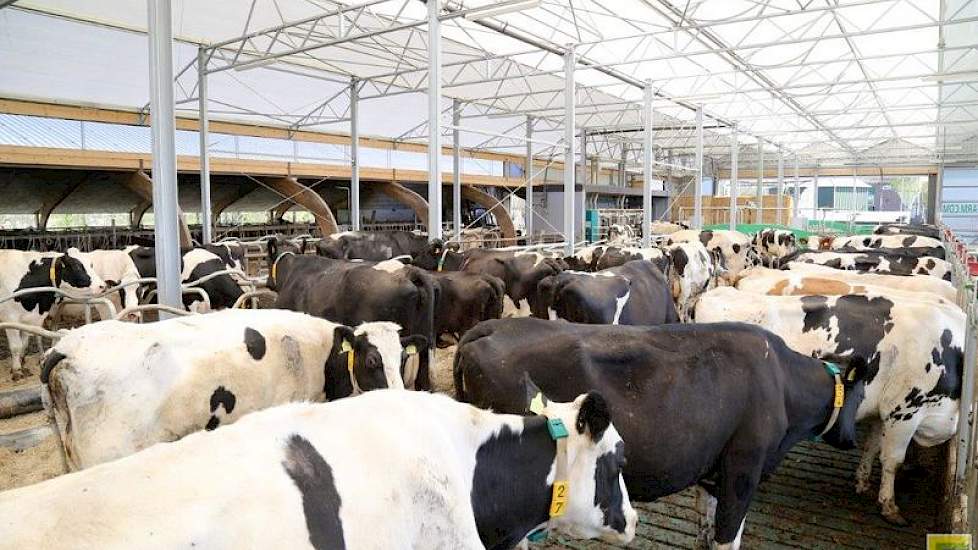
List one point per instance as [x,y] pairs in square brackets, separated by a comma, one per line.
[411,350]
[348,348]
[558,500]
[274,269]
[852,375]
[53,274]
[840,393]
[536,404]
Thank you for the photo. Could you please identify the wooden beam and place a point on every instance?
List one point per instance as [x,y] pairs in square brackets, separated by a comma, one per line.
[245,189]
[405,196]
[921,170]
[137,213]
[297,193]
[142,185]
[44,214]
[491,204]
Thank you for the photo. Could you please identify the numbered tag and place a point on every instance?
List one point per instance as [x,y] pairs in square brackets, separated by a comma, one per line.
[558,502]
[411,350]
[349,361]
[536,404]
[557,428]
[840,393]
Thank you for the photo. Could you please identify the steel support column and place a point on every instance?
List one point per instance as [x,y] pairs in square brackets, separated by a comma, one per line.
[163,130]
[528,169]
[648,158]
[780,203]
[355,216]
[698,181]
[759,192]
[434,120]
[456,169]
[734,183]
[206,221]
[570,97]
[815,193]
[794,203]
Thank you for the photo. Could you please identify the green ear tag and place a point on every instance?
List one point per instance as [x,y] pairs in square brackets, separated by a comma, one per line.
[539,535]
[557,428]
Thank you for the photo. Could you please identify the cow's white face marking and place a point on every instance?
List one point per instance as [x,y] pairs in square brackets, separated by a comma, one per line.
[511,309]
[552,314]
[390,266]
[338,236]
[537,257]
[385,337]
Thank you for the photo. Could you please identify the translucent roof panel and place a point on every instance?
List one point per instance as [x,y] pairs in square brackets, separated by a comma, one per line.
[831,79]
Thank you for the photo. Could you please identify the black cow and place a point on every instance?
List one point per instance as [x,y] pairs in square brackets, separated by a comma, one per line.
[636,293]
[717,405]
[354,292]
[375,246]
[195,263]
[923,230]
[464,300]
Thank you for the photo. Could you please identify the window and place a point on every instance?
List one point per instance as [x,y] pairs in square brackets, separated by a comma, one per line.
[826,197]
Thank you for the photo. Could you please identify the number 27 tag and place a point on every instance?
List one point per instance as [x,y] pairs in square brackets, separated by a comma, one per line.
[839,395]
[558,502]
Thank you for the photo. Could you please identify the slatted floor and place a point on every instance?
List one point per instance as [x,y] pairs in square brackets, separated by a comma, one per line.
[809,502]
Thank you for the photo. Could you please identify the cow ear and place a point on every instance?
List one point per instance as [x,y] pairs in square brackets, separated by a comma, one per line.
[343,337]
[415,344]
[535,401]
[272,248]
[593,417]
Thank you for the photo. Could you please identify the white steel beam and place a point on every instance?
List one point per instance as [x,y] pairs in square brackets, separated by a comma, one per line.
[163,130]
[456,170]
[570,96]
[759,191]
[434,119]
[780,184]
[794,203]
[698,181]
[648,157]
[206,223]
[734,187]
[355,217]
[528,170]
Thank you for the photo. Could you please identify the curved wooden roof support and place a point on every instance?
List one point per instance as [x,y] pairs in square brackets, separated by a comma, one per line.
[307,198]
[44,214]
[142,185]
[243,191]
[495,207]
[404,195]
[279,211]
[137,213]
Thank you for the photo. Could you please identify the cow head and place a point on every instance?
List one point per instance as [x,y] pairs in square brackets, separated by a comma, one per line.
[74,270]
[377,356]
[843,433]
[597,505]
[439,256]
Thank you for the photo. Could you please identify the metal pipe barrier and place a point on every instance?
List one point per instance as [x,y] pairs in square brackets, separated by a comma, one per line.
[151,307]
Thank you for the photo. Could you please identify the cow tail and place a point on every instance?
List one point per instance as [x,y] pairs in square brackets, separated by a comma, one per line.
[494,308]
[458,367]
[51,360]
[55,400]
[427,298]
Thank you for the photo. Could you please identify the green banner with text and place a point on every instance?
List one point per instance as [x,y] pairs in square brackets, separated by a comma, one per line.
[959,208]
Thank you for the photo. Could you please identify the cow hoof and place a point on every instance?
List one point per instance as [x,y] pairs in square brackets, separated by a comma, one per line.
[892,514]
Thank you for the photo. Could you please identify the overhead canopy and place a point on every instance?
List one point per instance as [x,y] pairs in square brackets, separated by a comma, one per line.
[835,81]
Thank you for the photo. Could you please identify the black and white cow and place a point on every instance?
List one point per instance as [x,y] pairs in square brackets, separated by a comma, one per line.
[874,262]
[70,272]
[932,285]
[222,290]
[186,374]
[354,292]
[519,271]
[924,230]
[906,245]
[914,349]
[636,293]
[375,245]
[716,405]
[389,469]
[233,254]
[600,257]
[773,244]
[115,267]
[734,246]
[692,271]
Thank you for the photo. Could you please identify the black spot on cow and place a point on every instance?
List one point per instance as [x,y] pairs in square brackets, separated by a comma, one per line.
[607,490]
[212,423]
[835,263]
[908,241]
[706,237]
[862,322]
[816,313]
[223,398]
[679,261]
[931,264]
[321,501]
[519,462]
[255,343]
[736,248]
[927,367]
[952,359]
[39,275]
[594,416]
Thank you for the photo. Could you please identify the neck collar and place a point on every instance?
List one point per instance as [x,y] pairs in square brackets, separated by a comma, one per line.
[839,396]
[274,271]
[560,493]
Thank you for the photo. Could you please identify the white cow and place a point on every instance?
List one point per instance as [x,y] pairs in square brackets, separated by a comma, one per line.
[692,271]
[70,272]
[389,469]
[773,282]
[915,347]
[186,374]
[933,285]
[869,242]
[115,267]
[870,262]
[734,247]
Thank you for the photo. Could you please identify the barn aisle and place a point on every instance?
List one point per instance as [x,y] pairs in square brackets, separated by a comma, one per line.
[808,503]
